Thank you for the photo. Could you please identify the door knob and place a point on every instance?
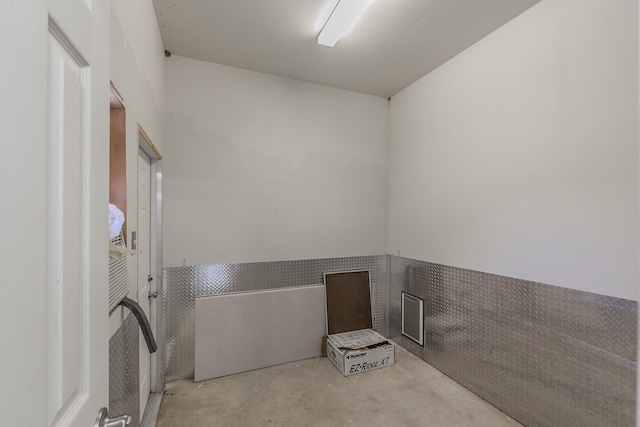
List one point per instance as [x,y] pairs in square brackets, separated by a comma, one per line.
[103,420]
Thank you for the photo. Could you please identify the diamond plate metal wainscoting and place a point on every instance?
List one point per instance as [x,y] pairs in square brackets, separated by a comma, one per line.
[182,285]
[124,371]
[545,355]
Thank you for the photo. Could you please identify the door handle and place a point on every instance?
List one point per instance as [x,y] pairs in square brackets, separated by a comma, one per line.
[103,420]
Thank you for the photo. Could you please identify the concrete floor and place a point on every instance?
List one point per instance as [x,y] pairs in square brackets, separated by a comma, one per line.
[313,393]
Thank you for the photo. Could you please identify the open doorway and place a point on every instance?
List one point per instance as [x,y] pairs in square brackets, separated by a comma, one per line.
[141,377]
[118,155]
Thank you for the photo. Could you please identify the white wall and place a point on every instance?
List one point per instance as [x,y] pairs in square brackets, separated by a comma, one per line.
[520,155]
[137,68]
[137,72]
[263,168]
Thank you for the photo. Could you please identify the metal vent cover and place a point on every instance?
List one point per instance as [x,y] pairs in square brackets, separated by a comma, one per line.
[413,318]
[118,276]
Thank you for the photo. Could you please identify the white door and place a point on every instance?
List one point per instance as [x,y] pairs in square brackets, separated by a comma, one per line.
[54,87]
[144,269]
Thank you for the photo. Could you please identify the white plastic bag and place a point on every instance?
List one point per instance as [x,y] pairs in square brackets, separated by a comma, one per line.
[116,219]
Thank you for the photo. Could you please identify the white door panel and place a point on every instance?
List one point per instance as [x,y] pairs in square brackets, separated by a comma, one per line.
[55,142]
[66,286]
[23,28]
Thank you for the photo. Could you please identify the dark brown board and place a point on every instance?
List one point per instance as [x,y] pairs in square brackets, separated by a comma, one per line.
[348,301]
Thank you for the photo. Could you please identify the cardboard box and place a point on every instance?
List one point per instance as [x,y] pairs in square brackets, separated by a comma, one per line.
[351,344]
[359,351]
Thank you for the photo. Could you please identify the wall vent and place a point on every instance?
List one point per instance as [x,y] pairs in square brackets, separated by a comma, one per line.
[413,318]
[118,276]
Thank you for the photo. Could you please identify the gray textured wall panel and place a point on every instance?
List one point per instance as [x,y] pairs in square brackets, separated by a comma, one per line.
[124,371]
[181,285]
[545,355]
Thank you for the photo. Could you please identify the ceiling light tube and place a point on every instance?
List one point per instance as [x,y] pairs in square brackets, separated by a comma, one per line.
[344,17]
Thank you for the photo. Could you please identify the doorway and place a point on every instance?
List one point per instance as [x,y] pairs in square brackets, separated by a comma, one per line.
[149,260]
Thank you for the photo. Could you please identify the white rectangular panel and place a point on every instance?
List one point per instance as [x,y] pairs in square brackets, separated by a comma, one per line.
[242,332]
[66,204]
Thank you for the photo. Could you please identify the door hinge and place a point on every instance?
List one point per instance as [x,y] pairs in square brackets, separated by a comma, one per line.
[153,294]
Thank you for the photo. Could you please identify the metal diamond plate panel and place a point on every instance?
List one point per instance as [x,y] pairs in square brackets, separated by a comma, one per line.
[178,323]
[124,371]
[545,355]
[181,285]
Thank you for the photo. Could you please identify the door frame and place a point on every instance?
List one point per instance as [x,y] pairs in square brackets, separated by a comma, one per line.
[155,305]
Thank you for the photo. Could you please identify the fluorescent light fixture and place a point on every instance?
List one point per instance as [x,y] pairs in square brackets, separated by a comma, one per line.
[329,6]
[340,21]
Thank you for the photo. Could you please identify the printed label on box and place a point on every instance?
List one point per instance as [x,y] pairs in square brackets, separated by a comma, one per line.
[351,362]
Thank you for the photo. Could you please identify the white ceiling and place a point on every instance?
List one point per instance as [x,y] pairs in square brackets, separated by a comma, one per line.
[395,43]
